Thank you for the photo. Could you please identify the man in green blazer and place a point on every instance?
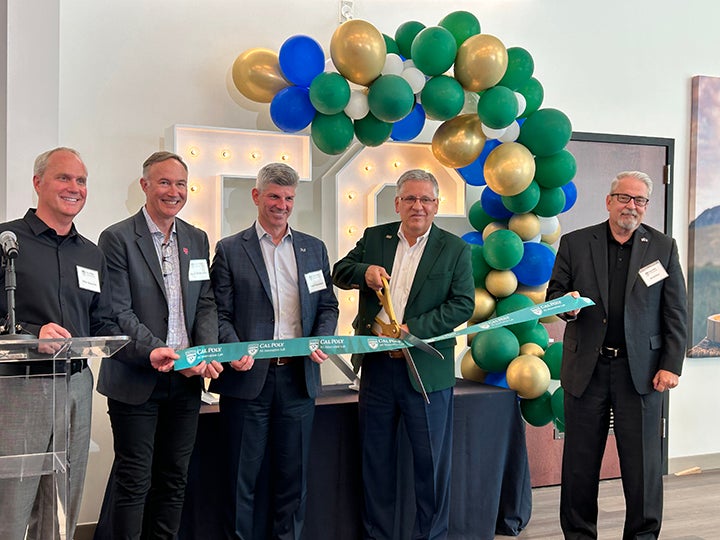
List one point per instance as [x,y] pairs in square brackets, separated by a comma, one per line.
[431,286]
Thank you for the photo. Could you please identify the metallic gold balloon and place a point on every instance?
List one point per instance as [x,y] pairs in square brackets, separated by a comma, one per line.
[470,370]
[532,348]
[481,62]
[358,51]
[526,226]
[484,306]
[536,294]
[470,338]
[552,237]
[509,169]
[257,76]
[501,283]
[491,228]
[529,376]
[459,141]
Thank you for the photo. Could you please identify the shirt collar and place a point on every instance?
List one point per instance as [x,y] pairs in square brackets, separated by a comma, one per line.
[154,229]
[38,226]
[420,238]
[262,232]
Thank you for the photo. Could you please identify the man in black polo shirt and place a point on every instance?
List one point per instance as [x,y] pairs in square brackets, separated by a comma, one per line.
[61,293]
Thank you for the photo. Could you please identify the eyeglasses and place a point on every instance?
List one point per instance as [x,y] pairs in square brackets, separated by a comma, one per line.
[410,200]
[166,252]
[624,198]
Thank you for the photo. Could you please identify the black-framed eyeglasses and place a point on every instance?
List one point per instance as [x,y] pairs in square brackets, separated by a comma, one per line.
[624,198]
[167,262]
[412,199]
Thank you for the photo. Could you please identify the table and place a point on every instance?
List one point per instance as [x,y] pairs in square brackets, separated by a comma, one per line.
[491,491]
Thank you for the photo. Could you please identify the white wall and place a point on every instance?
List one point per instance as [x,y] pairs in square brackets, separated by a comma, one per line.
[130,69]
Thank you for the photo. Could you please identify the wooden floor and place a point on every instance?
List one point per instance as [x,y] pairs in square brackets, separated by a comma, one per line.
[692,510]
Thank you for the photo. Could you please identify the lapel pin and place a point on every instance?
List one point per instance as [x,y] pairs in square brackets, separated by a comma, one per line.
[185,251]
[388,236]
[302,250]
[643,239]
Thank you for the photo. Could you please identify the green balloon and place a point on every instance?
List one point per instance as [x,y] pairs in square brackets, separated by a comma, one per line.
[493,350]
[551,203]
[557,402]
[480,266]
[538,335]
[390,98]
[461,24]
[553,359]
[372,132]
[405,34]
[390,45]
[545,132]
[519,69]
[524,201]
[513,303]
[332,134]
[329,93]
[503,249]
[555,170]
[478,218]
[537,412]
[442,98]
[533,93]
[433,50]
[498,107]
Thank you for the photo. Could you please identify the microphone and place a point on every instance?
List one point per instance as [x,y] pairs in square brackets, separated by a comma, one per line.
[9,244]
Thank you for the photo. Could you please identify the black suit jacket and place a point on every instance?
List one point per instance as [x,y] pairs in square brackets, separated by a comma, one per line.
[140,305]
[655,316]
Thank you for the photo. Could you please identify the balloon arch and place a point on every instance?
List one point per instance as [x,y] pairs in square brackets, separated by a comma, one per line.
[493,132]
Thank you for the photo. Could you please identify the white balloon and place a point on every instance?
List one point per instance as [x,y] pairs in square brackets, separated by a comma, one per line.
[358,106]
[408,64]
[415,78]
[522,103]
[548,225]
[535,239]
[393,65]
[491,133]
[511,133]
[471,103]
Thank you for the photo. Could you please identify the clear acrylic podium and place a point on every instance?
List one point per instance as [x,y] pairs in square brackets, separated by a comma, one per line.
[22,363]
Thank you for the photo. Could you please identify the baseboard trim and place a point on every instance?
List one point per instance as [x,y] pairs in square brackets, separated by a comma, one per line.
[704,461]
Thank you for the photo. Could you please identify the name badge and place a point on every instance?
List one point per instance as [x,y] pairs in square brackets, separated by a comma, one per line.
[88,279]
[315,281]
[653,273]
[198,270]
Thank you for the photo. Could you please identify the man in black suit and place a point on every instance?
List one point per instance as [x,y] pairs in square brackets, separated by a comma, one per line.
[162,298]
[618,355]
[271,282]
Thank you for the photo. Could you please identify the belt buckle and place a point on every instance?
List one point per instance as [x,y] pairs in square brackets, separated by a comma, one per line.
[611,352]
[279,361]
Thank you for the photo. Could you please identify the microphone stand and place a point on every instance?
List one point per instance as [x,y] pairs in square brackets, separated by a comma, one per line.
[10,287]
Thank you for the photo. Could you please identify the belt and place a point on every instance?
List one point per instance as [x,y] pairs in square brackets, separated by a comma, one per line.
[283,360]
[41,367]
[613,352]
[395,353]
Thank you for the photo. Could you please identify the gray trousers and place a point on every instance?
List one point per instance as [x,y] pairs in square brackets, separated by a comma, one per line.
[26,406]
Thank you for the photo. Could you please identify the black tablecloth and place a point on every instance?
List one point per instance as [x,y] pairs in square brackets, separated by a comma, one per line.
[490,476]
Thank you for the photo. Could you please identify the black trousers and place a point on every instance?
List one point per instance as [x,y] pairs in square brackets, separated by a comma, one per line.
[638,433]
[153,443]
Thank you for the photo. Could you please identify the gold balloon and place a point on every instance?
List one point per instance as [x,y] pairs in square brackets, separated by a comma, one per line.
[532,348]
[501,283]
[526,226]
[536,294]
[491,228]
[470,370]
[509,169]
[459,141]
[358,51]
[257,76]
[470,338]
[484,306]
[528,375]
[552,237]
[481,62]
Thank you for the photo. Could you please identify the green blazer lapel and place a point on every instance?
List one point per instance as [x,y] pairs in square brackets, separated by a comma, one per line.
[389,246]
[435,245]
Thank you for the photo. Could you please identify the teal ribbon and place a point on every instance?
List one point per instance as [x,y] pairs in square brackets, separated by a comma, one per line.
[273,348]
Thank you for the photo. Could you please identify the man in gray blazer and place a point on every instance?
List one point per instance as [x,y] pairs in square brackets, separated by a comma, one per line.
[162,298]
[271,282]
[618,355]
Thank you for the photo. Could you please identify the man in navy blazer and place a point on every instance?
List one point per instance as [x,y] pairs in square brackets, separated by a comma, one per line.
[618,355]
[271,282]
[162,298]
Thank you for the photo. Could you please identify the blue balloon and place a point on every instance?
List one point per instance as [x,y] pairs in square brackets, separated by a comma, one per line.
[473,237]
[291,109]
[301,59]
[409,127]
[536,264]
[570,190]
[473,173]
[492,203]
[497,379]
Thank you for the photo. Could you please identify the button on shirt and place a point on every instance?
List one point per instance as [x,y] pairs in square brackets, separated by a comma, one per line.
[177,336]
[282,271]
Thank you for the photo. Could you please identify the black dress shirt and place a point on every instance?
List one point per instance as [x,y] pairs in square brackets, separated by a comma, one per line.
[618,262]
